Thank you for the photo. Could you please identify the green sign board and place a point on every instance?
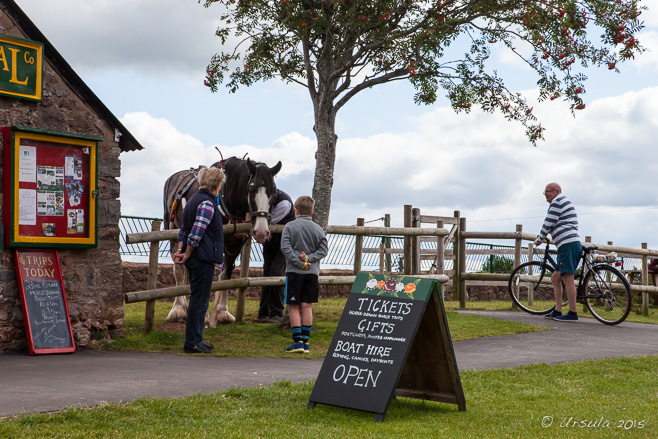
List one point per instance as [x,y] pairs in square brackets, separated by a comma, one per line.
[21,68]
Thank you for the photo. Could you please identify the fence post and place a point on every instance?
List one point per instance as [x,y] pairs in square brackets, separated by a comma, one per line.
[406,258]
[462,263]
[440,250]
[387,244]
[358,246]
[152,279]
[645,281]
[531,251]
[382,253]
[455,255]
[518,245]
[490,259]
[415,222]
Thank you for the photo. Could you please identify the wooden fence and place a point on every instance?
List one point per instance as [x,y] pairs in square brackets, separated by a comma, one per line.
[413,233]
[154,237]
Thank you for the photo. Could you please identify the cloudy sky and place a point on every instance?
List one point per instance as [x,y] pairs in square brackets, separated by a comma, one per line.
[146,60]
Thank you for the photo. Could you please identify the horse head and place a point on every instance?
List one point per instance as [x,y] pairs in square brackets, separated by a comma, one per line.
[261,196]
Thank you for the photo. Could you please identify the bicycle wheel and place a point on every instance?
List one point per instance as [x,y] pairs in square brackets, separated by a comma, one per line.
[530,287]
[608,294]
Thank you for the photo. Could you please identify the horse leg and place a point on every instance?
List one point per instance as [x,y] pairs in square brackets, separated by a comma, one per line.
[178,311]
[220,314]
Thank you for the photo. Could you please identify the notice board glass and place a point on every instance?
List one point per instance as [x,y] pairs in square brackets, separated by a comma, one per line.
[50,188]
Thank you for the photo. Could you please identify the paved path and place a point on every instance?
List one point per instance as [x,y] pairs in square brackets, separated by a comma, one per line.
[44,383]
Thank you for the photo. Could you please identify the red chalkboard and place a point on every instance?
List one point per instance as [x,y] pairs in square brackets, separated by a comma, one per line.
[43,300]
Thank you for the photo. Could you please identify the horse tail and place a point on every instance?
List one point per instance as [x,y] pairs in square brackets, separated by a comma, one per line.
[165,201]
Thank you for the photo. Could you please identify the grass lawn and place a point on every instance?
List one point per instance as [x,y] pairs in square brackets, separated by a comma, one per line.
[249,339]
[505,305]
[614,398]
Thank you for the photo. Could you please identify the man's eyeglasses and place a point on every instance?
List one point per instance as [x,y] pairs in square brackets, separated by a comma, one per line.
[548,191]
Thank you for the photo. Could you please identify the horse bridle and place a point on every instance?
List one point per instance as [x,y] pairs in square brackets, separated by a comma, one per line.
[255,214]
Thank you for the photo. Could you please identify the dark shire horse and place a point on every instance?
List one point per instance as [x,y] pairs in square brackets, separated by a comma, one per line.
[248,189]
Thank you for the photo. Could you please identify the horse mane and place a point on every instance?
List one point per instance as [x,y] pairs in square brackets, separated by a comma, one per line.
[234,164]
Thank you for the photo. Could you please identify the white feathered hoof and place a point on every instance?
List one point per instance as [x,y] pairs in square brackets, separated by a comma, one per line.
[225,317]
[178,314]
[220,318]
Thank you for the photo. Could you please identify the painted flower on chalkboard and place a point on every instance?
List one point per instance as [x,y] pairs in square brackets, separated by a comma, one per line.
[410,288]
[371,284]
[391,286]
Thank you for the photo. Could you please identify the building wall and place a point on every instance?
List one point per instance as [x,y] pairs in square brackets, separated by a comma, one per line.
[92,277]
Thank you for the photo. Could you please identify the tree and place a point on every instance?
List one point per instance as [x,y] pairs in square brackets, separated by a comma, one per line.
[338,48]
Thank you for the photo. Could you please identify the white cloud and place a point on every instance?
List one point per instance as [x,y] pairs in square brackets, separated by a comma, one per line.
[166,151]
[156,37]
[648,61]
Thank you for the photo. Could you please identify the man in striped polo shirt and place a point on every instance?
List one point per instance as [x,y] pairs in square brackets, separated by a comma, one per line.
[562,224]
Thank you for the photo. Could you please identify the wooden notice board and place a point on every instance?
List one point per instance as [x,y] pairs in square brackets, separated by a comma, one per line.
[392,339]
[43,300]
[50,188]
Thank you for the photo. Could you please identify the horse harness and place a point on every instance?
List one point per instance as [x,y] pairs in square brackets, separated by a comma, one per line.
[184,188]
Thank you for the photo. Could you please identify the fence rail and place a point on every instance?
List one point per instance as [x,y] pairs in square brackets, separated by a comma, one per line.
[482,257]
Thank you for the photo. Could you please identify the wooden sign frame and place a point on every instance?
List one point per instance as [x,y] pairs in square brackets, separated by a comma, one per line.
[43,301]
[50,188]
[363,370]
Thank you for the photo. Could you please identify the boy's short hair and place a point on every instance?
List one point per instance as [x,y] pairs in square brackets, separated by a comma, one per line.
[210,178]
[305,205]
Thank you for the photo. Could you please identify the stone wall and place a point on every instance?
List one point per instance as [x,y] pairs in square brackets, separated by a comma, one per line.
[92,277]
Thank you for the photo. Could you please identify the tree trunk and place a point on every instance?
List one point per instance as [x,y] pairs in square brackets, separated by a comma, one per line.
[325,159]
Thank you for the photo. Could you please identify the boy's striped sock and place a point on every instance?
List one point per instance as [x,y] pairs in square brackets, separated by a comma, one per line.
[297,333]
[306,333]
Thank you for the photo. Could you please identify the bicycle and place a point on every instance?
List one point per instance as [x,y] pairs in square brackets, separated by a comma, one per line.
[601,287]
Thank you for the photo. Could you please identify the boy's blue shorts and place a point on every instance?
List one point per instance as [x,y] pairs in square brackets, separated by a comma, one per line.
[568,256]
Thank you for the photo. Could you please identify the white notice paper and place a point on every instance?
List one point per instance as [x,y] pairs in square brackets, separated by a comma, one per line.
[27,207]
[27,164]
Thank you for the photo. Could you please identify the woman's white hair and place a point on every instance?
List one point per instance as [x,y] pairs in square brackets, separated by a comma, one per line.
[210,178]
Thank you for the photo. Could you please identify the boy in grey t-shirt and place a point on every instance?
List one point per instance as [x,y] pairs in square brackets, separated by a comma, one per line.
[303,244]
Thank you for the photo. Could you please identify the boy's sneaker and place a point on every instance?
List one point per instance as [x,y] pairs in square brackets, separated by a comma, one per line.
[552,314]
[295,347]
[567,318]
[306,350]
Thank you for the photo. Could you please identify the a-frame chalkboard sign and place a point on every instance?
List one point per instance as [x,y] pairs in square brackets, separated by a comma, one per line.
[43,299]
[392,340]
